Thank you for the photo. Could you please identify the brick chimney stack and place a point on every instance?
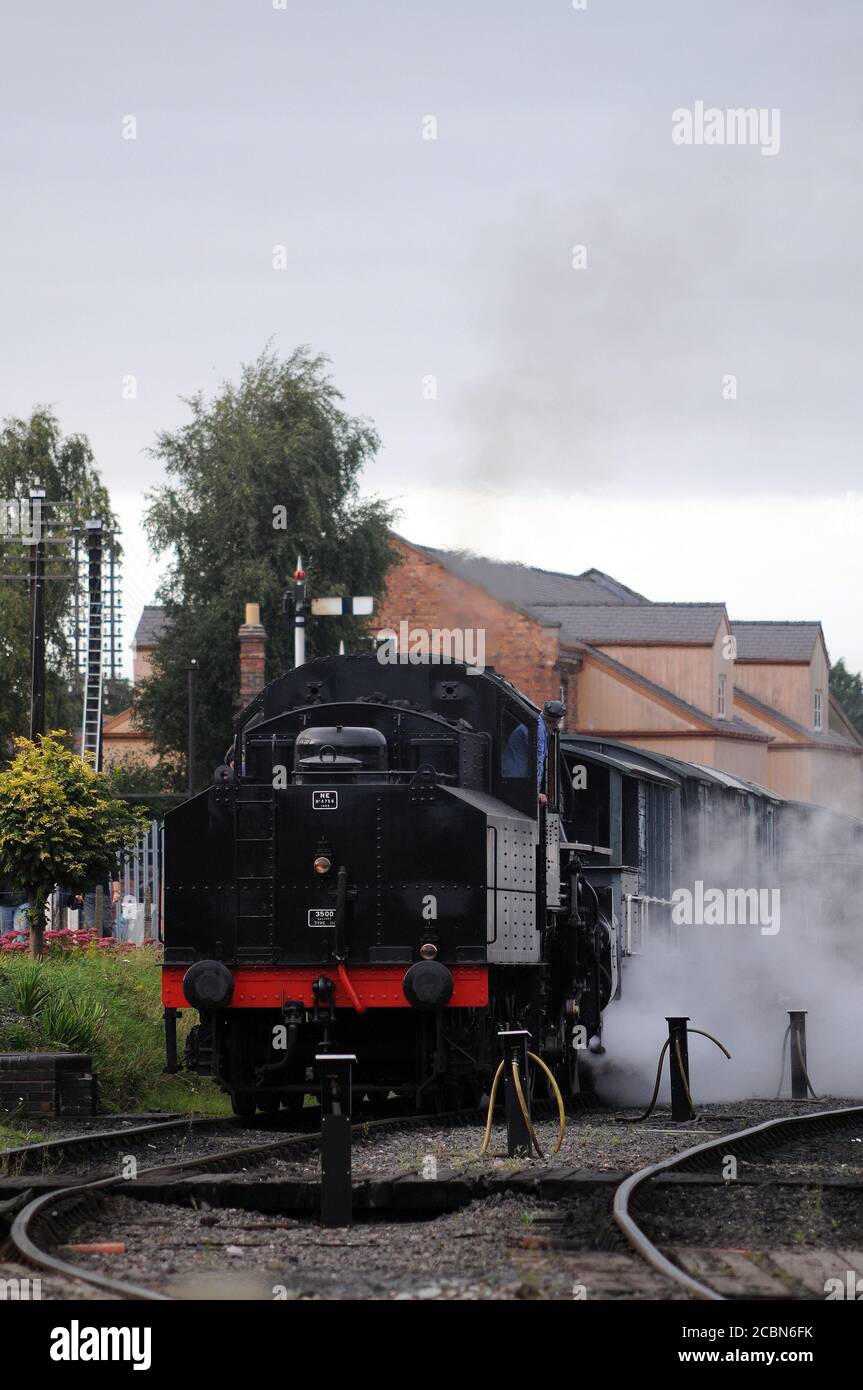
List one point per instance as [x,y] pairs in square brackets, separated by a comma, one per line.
[253,646]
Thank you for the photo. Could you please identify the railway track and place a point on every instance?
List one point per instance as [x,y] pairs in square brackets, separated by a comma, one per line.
[45,1221]
[710,1158]
[51,1153]
[698,1269]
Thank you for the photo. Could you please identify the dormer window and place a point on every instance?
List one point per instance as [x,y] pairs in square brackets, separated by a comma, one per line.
[721,698]
[818,718]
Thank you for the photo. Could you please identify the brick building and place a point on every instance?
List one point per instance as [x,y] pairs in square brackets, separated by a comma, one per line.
[122,740]
[747,698]
[750,699]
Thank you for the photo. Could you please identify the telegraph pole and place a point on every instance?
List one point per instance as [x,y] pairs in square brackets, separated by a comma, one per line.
[37,616]
[33,523]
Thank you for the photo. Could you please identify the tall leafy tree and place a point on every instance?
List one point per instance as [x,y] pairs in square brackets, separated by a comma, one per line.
[267,469]
[34,452]
[59,823]
[848,689]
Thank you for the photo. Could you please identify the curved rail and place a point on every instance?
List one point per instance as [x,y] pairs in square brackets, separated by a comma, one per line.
[54,1212]
[27,1157]
[756,1139]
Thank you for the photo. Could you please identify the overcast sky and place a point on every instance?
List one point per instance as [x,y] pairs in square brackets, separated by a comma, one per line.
[579,414]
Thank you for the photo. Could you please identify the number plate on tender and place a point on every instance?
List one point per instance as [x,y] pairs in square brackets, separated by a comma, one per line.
[325,801]
[322,916]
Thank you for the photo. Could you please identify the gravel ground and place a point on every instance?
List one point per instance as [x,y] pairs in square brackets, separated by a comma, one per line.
[753,1218]
[495,1249]
[594,1141]
[756,1216]
[838,1155]
[503,1247]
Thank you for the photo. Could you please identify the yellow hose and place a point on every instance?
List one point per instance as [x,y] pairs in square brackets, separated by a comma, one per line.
[494,1085]
[559,1098]
[524,1110]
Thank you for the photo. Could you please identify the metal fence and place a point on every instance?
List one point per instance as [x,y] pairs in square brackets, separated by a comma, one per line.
[136,916]
[140,876]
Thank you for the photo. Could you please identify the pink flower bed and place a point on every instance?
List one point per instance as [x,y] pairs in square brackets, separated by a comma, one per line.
[69,940]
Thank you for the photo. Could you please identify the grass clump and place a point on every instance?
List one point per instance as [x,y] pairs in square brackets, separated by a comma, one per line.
[29,988]
[107,1004]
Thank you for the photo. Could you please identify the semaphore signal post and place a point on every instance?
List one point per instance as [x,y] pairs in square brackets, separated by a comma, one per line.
[338,606]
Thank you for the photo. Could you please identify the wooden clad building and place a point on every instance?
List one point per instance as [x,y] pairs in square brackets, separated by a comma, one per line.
[750,699]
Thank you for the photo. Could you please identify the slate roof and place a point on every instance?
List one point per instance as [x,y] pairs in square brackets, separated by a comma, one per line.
[656,623]
[526,586]
[150,625]
[846,727]
[827,737]
[768,641]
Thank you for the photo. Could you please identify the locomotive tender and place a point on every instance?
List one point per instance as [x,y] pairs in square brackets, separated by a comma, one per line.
[382,865]
[401,860]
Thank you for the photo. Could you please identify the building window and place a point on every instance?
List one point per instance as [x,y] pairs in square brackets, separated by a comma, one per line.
[818,713]
[720,697]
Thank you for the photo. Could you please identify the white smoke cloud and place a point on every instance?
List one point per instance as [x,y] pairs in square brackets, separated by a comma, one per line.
[739,984]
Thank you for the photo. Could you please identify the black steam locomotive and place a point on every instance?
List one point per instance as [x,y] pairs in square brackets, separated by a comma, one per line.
[386,864]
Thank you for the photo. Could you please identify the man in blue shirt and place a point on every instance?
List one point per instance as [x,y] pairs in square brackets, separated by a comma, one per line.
[515,754]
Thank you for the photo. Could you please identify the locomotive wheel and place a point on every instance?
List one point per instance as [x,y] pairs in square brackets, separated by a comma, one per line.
[269,1105]
[243,1105]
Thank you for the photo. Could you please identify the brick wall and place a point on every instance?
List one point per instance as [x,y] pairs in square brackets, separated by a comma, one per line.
[47,1083]
[425,594]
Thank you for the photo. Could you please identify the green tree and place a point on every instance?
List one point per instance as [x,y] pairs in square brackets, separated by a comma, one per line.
[117,695]
[59,823]
[35,453]
[848,689]
[266,470]
[138,780]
